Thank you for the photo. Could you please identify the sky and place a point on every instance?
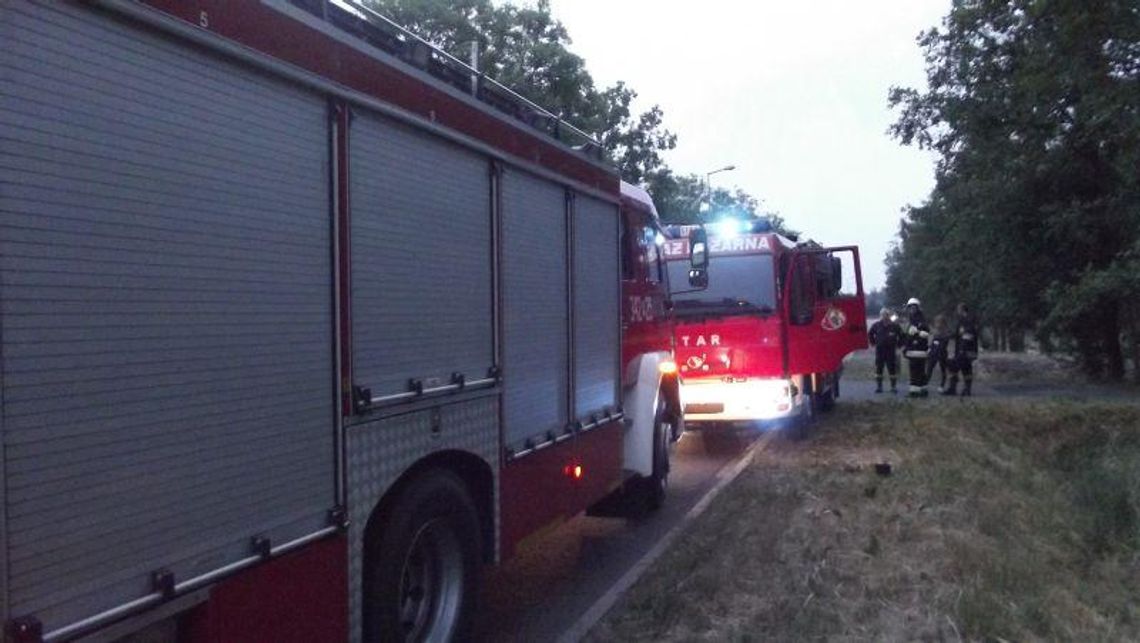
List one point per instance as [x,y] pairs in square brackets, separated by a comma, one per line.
[791,92]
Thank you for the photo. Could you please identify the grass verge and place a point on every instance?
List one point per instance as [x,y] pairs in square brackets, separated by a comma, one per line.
[998,521]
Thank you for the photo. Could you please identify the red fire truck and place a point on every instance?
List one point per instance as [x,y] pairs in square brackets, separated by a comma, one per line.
[302,321]
[767,337]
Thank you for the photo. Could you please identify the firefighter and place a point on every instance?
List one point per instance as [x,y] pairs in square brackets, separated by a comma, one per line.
[885,336]
[939,354]
[965,352]
[917,345]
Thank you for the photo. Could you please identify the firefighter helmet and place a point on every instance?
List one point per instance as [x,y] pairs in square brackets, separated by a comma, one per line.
[913,301]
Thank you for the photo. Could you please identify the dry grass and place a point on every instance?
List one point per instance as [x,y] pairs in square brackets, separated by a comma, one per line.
[1032,366]
[1005,367]
[999,521]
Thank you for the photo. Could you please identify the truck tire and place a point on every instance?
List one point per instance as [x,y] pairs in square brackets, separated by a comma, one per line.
[422,566]
[826,401]
[652,489]
[800,427]
[827,398]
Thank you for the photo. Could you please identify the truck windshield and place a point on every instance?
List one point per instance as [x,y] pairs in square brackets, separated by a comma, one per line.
[738,284]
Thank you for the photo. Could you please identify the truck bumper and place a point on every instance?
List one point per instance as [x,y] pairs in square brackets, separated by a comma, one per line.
[751,399]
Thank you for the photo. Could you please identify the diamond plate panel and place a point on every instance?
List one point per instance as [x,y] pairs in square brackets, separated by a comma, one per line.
[378,452]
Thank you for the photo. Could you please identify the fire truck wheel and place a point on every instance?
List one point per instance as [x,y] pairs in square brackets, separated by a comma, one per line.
[656,486]
[827,398]
[800,427]
[648,492]
[827,401]
[422,568]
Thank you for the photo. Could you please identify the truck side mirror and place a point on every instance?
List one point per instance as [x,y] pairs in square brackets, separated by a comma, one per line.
[699,259]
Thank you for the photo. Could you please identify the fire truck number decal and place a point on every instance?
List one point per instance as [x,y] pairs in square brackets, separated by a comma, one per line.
[676,249]
[834,319]
[713,340]
[641,309]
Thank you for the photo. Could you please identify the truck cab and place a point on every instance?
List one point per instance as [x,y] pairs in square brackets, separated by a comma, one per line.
[765,340]
[650,388]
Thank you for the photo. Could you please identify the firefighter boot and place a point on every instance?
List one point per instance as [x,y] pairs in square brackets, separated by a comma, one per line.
[878,385]
[894,385]
[953,388]
[967,382]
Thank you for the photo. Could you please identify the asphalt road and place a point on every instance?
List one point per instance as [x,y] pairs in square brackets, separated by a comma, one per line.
[557,576]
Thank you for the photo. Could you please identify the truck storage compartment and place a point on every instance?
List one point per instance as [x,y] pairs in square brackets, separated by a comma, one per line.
[536,312]
[421,259]
[597,306]
[166,311]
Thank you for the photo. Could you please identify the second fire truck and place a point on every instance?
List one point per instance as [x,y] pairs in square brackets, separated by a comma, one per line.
[767,338]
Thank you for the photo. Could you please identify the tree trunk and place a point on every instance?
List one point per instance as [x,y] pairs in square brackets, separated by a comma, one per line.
[1017,340]
[1134,334]
[1114,353]
[1128,314]
[1136,352]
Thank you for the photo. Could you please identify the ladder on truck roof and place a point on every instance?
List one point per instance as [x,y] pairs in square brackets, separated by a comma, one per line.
[358,19]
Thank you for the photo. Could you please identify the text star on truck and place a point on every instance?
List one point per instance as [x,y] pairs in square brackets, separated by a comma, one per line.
[767,337]
[302,322]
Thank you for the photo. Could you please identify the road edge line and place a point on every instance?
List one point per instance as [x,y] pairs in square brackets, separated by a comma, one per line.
[725,476]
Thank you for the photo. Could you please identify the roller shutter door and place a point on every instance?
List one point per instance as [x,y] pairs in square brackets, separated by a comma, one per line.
[597,278]
[166,310]
[421,258]
[535,314]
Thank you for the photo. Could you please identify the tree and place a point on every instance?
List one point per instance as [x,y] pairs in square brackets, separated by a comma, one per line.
[875,300]
[1032,109]
[526,49]
[679,198]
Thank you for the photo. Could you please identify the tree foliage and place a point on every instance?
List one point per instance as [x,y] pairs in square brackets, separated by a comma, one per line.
[1033,110]
[679,199]
[527,49]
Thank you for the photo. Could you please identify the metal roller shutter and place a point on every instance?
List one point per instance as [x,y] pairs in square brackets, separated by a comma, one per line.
[597,276]
[535,315]
[421,258]
[165,306]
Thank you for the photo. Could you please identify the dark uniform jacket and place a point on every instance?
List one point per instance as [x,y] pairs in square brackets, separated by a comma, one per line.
[917,336]
[885,337]
[966,338]
[940,347]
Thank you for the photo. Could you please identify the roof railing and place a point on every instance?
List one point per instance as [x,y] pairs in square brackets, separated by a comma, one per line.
[360,20]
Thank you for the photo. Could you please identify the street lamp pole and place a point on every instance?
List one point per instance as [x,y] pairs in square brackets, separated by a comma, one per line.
[708,185]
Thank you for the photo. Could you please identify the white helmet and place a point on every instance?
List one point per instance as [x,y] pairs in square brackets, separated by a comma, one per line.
[913,301]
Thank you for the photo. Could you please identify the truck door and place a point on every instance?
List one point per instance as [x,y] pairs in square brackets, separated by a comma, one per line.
[645,324]
[824,309]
